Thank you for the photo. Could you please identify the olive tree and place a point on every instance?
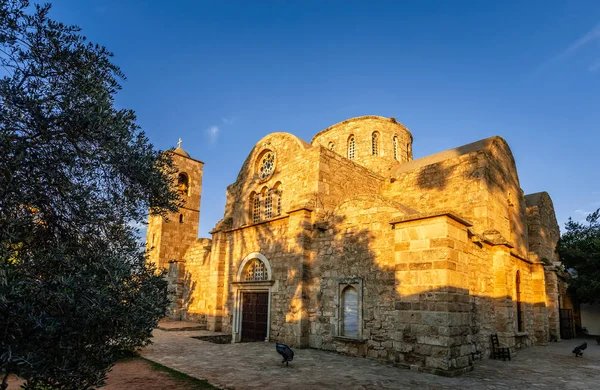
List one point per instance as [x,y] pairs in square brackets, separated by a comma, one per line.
[76,176]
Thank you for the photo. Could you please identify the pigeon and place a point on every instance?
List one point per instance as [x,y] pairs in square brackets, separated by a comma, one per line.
[578,351]
[286,352]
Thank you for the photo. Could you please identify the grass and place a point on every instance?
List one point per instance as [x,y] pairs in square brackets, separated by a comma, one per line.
[189,381]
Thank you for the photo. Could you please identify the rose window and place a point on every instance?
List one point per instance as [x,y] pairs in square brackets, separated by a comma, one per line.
[267,166]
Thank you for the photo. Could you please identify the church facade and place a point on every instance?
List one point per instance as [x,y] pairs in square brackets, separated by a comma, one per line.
[349,244]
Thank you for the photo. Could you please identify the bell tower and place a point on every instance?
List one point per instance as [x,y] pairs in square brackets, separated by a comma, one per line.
[168,239]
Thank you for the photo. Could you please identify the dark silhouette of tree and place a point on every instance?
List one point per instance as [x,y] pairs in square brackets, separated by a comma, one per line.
[76,176]
[579,251]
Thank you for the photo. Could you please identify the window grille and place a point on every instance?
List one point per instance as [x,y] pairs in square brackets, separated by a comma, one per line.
[269,205]
[395,148]
[331,146]
[255,271]
[351,148]
[375,144]
[256,209]
[278,203]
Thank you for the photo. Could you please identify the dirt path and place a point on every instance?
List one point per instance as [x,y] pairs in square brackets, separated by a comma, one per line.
[140,374]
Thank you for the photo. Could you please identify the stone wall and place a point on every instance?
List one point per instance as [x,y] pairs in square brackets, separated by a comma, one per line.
[552,302]
[434,303]
[175,289]
[542,226]
[477,181]
[338,178]
[199,294]
[449,278]
[354,245]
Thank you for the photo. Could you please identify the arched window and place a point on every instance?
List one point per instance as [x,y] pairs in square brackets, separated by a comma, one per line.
[279,203]
[351,147]
[269,205]
[331,146]
[255,270]
[349,312]
[520,325]
[277,200]
[180,218]
[254,207]
[251,206]
[183,184]
[375,143]
[395,148]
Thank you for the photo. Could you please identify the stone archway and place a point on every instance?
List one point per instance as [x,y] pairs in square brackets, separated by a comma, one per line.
[252,299]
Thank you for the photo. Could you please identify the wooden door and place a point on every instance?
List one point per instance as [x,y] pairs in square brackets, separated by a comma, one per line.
[255,307]
[567,330]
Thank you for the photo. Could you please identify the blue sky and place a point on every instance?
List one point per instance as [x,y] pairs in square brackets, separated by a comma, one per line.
[221,75]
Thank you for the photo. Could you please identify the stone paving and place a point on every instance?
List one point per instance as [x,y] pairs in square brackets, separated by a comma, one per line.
[257,366]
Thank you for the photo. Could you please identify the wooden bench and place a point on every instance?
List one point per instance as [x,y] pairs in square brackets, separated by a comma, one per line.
[578,351]
[499,352]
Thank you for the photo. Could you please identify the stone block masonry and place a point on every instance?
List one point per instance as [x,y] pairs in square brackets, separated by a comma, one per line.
[348,244]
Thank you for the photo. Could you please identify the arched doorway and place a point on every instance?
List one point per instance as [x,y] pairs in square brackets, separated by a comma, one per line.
[252,292]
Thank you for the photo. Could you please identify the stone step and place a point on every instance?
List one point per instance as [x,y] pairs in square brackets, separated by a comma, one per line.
[180,326]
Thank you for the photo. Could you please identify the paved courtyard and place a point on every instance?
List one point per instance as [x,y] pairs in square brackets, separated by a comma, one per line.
[257,366]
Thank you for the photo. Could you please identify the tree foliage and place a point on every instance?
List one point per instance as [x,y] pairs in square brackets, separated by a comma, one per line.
[579,251]
[76,174]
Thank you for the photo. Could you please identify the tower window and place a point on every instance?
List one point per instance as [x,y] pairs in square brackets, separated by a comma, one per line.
[395,148]
[183,184]
[375,143]
[180,218]
[351,147]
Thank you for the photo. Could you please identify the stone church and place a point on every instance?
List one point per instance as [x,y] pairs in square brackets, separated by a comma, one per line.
[349,244]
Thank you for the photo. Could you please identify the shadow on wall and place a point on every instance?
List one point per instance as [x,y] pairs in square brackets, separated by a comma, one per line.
[409,312]
[181,287]
[435,171]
